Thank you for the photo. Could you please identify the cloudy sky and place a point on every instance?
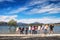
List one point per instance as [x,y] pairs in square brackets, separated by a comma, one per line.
[29,11]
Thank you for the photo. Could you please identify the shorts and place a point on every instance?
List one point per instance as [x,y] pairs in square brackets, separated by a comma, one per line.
[51,29]
[45,31]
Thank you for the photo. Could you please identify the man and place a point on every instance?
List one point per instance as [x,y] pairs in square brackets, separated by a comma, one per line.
[26,30]
[51,29]
[29,29]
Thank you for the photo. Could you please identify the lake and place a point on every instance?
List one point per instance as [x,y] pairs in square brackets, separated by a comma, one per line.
[5,29]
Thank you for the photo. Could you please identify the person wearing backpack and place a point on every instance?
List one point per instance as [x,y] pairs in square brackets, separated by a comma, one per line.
[51,28]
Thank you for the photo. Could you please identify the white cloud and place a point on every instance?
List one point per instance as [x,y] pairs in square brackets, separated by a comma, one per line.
[34,2]
[41,10]
[18,10]
[44,10]
[45,7]
[41,20]
[54,0]
[51,10]
[55,10]
[7,18]
[49,6]
[6,0]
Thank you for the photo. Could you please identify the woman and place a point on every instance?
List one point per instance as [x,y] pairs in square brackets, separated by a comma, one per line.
[42,29]
[39,28]
[29,29]
[17,30]
[45,29]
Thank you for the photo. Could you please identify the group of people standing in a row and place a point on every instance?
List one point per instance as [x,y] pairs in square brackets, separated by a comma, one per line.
[22,30]
[35,29]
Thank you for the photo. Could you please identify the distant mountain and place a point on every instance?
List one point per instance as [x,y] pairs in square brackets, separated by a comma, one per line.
[6,24]
[25,24]
[57,23]
[36,23]
[22,24]
[3,24]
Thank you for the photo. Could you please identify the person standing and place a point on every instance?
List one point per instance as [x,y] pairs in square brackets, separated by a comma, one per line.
[32,29]
[20,29]
[42,29]
[51,29]
[23,30]
[26,30]
[29,29]
[17,30]
[46,29]
[39,27]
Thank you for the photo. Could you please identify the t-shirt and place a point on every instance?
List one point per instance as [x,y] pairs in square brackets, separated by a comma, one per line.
[38,27]
[17,28]
[51,27]
[29,27]
[32,28]
[42,27]
[46,27]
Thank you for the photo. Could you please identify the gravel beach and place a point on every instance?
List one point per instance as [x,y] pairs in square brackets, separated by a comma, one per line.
[31,38]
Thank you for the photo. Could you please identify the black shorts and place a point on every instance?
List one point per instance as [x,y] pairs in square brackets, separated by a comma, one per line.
[51,29]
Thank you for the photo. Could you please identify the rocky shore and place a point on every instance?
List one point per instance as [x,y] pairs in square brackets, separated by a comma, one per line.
[31,38]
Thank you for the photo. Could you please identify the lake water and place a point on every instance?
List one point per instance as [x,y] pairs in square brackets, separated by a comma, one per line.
[5,29]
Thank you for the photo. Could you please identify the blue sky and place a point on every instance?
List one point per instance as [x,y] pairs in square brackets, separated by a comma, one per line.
[29,11]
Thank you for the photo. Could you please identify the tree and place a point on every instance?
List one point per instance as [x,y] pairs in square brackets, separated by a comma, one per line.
[12,23]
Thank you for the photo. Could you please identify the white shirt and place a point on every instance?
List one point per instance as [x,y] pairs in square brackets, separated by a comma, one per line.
[17,28]
[39,27]
[29,27]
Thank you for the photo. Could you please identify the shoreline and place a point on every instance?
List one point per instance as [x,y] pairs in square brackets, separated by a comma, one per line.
[29,37]
[33,35]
